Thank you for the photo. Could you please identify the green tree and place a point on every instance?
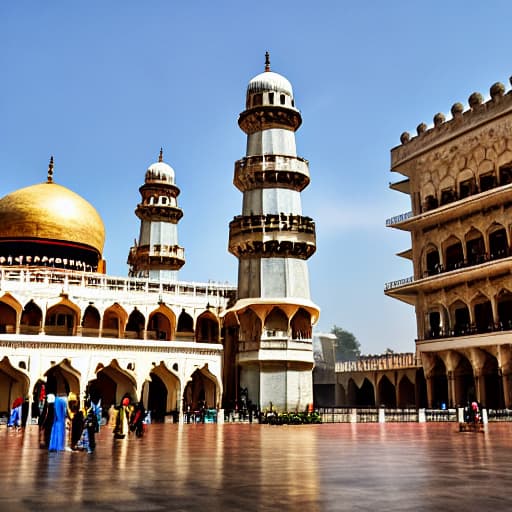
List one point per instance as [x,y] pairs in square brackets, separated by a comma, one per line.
[346,346]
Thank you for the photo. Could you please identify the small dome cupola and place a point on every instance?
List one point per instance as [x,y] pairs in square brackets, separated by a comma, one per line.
[269,89]
[160,172]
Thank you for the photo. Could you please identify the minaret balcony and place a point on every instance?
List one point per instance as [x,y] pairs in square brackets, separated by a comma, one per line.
[272,236]
[159,213]
[271,171]
[266,117]
[157,256]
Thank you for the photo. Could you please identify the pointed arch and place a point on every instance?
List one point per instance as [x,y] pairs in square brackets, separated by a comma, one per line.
[207,328]
[301,325]
[10,312]
[499,245]
[112,383]
[164,393]
[185,328]
[475,246]
[135,326]
[31,319]
[437,322]
[466,183]
[465,390]
[387,392]
[14,383]
[406,393]
[91,322]
[504,306]
[250,326]
[63,378]
[439,384]
[430,260]
[202,390]
[62,318]
[482,314]
[276,323]
[366,394]
[453,253]
[460,318]
[114,320]
[162,323]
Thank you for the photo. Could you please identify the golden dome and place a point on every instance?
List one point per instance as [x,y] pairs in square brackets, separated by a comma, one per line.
[51,212]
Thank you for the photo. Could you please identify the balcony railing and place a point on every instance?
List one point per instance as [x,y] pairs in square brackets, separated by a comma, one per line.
[398,283]
[467,330]
[441,269]
[398,218]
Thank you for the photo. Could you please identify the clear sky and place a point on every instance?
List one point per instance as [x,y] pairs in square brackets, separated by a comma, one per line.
[102,85]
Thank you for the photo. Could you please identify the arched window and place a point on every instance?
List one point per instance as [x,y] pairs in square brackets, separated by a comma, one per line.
[475,247]
[31,319]
[135,325]
[60,321]
[454,255]
[7,318]
[207,329]
[185,322]
[276,323]
[432,262]
[282,99]
[487,181]
[498,244]
[301,325]
[257,99]
[91,322]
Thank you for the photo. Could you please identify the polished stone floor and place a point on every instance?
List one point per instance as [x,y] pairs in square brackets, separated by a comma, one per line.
[335,467]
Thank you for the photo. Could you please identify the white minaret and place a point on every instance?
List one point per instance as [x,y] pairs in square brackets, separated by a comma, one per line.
[272,240]
[157,255]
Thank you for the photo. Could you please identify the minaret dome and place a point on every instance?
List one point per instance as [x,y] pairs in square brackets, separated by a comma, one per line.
[160,172]
[269,88]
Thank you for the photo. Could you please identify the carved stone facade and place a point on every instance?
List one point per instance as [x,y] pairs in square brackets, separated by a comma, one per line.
[458,175]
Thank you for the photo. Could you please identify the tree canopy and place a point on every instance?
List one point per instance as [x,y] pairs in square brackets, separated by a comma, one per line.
[346,346]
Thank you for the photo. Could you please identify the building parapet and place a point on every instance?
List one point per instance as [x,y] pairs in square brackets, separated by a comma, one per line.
[10,276]
[379,362]
[479,112]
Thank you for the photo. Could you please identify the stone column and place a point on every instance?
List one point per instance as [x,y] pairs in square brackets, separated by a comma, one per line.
[430,391]
[479,385]
[505,379]
[452,395]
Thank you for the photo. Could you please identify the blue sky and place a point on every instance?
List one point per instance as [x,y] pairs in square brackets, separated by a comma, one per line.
[103,85]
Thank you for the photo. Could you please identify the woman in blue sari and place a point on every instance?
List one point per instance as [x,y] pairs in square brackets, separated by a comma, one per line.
[58,435]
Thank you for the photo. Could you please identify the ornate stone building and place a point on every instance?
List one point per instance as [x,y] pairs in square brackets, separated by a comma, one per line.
[67,326]
[458,175]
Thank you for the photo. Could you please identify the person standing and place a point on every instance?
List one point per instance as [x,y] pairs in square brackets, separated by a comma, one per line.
[46,420]
[122,425]
[15,417]
[137,422]
[91,426]
[58,434]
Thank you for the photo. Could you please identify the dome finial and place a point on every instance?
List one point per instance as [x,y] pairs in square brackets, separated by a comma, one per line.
[267,61]
[161,155]
[50,170]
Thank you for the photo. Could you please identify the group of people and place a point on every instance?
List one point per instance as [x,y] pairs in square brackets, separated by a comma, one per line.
[63,425]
